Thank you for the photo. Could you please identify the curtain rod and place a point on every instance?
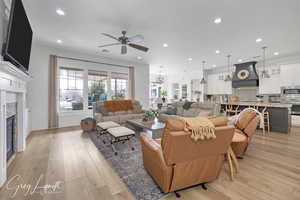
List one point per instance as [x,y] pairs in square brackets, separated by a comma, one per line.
[89,61]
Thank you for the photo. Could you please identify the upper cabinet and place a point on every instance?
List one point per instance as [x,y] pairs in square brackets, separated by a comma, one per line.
[290,74]
[283,75]
[217,85]
[270,85]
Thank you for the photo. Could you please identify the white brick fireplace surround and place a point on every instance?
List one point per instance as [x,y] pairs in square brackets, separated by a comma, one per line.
[12,80]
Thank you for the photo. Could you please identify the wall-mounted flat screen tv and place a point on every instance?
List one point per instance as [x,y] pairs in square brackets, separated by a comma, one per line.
[17,47]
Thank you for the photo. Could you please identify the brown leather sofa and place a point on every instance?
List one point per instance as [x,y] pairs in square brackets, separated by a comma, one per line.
[177,162]
[245,128]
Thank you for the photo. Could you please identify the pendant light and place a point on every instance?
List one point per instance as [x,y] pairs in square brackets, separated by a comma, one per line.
[203,81]
[264,73]
[228,76]
[160,78]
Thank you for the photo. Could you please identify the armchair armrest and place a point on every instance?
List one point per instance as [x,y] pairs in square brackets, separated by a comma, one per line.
[154,162]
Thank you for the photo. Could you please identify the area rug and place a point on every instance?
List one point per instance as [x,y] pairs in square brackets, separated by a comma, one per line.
[129,166]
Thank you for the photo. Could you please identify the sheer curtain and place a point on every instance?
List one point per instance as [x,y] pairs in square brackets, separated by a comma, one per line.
[131,87]
[53,83]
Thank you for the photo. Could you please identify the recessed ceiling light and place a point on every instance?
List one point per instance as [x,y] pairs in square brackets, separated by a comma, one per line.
[214,65]
[258,40]
[240,60]
[60,12]
[165,45]
[218,20]
[218,51]
[59,41]
[190,59]
[139,58]
[276,53]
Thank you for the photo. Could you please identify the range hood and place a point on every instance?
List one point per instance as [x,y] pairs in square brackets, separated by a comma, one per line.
[245,75]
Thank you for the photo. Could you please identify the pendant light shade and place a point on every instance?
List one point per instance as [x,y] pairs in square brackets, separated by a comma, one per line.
[228,76]
[203,81]
[264,73]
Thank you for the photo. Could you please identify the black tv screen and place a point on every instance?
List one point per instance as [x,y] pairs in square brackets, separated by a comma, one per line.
[19,37]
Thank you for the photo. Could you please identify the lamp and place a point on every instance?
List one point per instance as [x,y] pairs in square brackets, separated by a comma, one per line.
[264,73]
[228,77]
[203,81]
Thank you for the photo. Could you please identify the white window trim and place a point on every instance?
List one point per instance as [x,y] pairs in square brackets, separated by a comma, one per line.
[85,89]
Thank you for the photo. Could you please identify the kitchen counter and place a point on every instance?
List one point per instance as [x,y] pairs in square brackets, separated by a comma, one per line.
[260,104]
[280,113]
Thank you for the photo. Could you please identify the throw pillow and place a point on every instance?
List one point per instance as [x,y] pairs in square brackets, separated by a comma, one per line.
[187,105]
[103,110]
[171,111]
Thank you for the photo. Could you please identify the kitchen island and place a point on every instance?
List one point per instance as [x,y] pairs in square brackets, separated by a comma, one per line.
[280,114]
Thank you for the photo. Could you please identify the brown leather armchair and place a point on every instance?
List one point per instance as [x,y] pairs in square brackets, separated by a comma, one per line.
[245,129]
[178,162]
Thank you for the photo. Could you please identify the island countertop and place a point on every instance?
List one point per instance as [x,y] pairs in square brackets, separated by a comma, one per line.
[260,104]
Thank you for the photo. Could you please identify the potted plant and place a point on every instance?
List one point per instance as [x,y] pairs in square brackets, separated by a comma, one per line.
[149,116]
[164,94]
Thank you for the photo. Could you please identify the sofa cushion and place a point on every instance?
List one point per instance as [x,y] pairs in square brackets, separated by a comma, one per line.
[179,111]
[192,112]
[171,110]
[111,118]
[137,109]
[205,113]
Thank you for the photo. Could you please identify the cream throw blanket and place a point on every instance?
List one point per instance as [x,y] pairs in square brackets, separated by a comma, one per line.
[201,128]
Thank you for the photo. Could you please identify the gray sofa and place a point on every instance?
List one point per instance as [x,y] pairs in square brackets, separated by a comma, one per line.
[101,115]
[201,109]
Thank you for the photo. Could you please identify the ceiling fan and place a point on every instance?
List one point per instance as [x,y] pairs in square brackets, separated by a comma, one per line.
[126,41]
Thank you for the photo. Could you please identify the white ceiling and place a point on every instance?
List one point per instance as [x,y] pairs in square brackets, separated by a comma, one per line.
[185,25]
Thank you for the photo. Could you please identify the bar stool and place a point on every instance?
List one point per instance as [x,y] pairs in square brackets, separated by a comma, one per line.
[229,109]
[266,117]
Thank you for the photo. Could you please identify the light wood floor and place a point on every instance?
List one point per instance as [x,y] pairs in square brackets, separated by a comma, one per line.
[270,171]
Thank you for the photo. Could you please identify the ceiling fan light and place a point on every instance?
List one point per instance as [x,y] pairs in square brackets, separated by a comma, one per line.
[123,49]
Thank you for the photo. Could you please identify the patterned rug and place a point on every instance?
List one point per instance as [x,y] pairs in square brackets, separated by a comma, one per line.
[129,166]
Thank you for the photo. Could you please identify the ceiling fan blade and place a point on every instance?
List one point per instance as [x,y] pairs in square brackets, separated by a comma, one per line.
[139,47]
[123,49]
[136,39]
[110,36]
[108,45]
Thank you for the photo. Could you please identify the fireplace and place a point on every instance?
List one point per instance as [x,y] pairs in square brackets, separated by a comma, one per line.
[10,137]
[12,103]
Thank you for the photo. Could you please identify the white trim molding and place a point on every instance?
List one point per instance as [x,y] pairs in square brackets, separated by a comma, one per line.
[12,80]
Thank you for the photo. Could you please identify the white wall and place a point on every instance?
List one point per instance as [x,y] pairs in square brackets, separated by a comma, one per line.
[38,87]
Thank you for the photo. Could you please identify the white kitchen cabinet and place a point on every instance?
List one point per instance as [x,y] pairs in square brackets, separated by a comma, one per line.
[289,74]
[216,85]
[270,85]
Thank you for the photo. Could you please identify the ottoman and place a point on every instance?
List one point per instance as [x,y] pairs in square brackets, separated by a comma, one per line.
[102,127]
[120,134]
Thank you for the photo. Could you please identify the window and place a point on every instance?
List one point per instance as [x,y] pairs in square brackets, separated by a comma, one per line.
[97,83]
[70,89]
[119,85]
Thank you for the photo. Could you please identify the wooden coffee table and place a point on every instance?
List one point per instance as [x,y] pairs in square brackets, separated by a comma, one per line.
[153,129]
